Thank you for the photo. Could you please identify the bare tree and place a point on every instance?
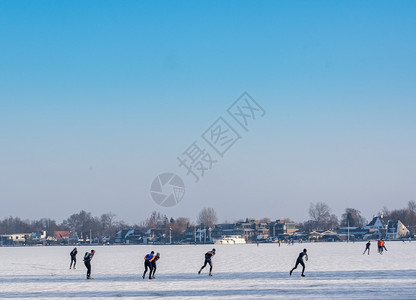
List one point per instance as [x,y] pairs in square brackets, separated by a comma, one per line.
[108,223]
[207,217]
[83,223]
[156,220]
[179,227]
[412,206]
[333,222]
[265,220]
[319,212]
[321,216]
[352,217]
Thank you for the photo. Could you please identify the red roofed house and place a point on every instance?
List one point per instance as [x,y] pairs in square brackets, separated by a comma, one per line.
[62,235]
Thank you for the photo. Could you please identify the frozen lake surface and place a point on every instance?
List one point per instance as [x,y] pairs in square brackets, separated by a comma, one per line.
[334,270]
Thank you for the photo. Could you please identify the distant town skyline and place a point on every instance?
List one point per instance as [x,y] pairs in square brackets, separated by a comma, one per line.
[98,99]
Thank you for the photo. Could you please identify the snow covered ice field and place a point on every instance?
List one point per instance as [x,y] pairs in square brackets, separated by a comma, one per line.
[334,270]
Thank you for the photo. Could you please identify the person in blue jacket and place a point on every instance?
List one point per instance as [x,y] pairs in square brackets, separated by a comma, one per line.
[148,259]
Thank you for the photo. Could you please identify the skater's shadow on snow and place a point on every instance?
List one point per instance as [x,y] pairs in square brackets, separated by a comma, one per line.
[188,277]
[172,277]
[282,284]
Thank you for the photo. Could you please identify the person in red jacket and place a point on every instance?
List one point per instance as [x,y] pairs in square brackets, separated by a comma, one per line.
[380,246]
[383,246]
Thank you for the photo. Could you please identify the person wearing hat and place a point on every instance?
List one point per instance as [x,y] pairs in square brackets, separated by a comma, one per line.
[87,262]
[208,260]
[300,261]
[153,271]
[73,255]
[148,264]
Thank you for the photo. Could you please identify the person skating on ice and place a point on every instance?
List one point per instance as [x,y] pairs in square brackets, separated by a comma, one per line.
[367,248]
[73,255]
[153,271]
[87,262]
[299,260]
[380,246]
[148,264]
[383,246]
[208,260]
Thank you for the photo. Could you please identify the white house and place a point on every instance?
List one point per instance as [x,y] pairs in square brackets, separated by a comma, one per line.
[18,237]
[396,230]
[376,223]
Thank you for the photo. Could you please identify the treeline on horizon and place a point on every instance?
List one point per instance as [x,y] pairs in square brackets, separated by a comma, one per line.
[84,222]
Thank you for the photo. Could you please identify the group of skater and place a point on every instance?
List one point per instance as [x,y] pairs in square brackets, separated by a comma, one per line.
[87,260]
[150,263]
[380,247]
[151,259]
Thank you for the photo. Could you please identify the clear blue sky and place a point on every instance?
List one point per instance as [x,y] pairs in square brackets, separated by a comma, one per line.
[99,97]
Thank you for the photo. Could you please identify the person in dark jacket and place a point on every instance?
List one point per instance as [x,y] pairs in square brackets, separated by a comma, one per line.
[87,262]
[208,260]
[299,260]
[367,248]
[73,255]
[157,256]
[148,264]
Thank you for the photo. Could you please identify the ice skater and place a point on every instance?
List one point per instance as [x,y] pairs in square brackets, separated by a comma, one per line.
[299,260]
[383,245]
[148,264]
[87,262]
[153,271]
[73,255]
[379,247]
[208,260]
[367,248]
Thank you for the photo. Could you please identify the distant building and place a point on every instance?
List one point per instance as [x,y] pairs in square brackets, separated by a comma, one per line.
[61,235]
[38,235]
[396,230]
[248,229]
[225,229]
[128,236]
[315,235]
[281,228]
[16,238]
[376,223]
[352,233]
[155,235]
[189,235]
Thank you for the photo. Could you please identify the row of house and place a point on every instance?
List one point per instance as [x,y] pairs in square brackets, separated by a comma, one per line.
[248,231]
[253,230]
[41,238]
[377,228]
